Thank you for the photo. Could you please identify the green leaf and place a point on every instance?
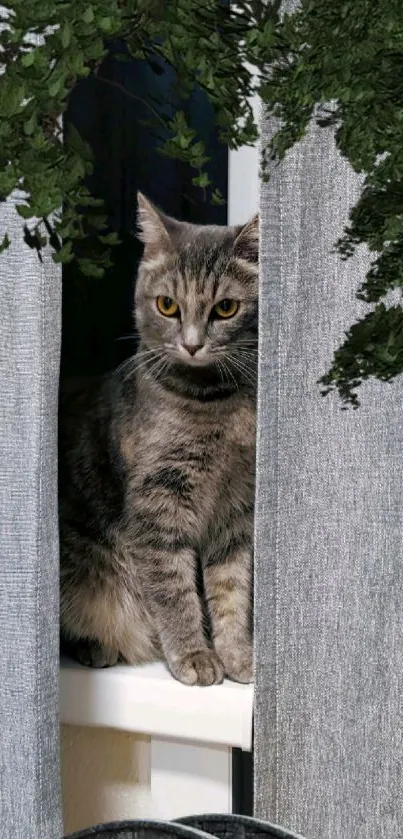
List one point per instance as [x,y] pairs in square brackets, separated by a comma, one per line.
[90,269]
[110,239]
[76,62]
[56,85]
[201,180]
[217,198]
[65,254]
[107,24]
[66,34]
[30,124]
[25,211]
[11,98]
[99,221]
[88,15]
[28,58]
[75,141]
[8,181]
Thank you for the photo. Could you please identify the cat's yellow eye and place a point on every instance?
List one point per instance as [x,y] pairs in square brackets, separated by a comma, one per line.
[167,306]
[226,308]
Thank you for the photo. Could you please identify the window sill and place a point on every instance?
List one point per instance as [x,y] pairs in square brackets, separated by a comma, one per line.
[147,700]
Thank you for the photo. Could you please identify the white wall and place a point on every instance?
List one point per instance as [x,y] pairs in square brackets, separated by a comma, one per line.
[110,775]
[243,180]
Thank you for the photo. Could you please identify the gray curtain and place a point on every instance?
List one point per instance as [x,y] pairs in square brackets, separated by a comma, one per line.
[30,296]
[329,529]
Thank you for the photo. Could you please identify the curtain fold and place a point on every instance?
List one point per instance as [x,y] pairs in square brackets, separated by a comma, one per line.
[30,308]
[329,528]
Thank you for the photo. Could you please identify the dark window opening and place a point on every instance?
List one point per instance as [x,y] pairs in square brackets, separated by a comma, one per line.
[109,110]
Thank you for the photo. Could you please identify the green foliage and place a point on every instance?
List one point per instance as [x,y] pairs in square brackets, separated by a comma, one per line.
[344,68]
[339,62]
[47,46]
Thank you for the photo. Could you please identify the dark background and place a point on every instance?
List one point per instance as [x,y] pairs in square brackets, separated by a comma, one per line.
[109,112]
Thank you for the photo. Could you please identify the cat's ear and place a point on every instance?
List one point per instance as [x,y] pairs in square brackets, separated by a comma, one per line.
[246,245]
[154,228]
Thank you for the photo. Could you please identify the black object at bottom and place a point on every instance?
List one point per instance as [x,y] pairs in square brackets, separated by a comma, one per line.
[191,827]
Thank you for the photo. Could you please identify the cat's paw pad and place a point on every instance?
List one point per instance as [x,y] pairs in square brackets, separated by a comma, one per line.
[238,664]
[200,667]
[93,654]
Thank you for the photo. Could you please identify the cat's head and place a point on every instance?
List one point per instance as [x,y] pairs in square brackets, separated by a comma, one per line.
[196,304]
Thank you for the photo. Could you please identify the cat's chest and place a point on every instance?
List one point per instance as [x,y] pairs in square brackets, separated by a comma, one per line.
[206,443]
[211,455]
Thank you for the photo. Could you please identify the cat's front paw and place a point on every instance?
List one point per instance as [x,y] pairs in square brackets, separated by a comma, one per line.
[94,654]
[238,663]
[200,667]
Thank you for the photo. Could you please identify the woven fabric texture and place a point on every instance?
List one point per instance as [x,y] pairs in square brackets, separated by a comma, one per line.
[329,528]
[30,304]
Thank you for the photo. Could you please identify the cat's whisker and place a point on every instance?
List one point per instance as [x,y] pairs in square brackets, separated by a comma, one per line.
[244,351]
[149,351]
[227,371]
[141,360]
[158,367]
[245,342]
[247,353]
[251,361]
[165,368]
[149,364]
[162,367]
[242,363]
[127,367]
[250,353]
[220,370]
[243,355]
[230,373]
[133,358]
[247,380]
[244,369]
[127,337]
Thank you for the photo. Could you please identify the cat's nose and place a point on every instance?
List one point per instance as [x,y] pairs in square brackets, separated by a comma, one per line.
[192,348]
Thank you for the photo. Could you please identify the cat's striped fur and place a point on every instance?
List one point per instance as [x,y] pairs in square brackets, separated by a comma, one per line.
[157,469]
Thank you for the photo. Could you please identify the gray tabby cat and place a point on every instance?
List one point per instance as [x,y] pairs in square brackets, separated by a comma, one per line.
[157,466]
